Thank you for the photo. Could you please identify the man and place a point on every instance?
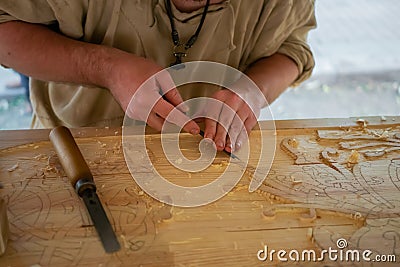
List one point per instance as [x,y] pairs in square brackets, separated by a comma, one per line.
[88,58]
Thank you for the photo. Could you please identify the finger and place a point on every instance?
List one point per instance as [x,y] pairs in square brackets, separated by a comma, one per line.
[174,97]
[226,118]
[170,93]
[239,125]
[245,132]
[167,111]
[234,130]
[210,127]
[212,115]
[228,145]
[155,122]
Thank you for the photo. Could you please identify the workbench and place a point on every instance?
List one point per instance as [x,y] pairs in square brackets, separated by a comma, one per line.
[333,184]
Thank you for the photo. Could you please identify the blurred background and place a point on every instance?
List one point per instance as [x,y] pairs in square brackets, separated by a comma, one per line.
[357,52]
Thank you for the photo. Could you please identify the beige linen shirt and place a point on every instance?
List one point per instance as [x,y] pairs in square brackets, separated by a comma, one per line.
[235,32]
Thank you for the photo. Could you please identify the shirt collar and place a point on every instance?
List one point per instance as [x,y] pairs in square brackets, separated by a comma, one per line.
[186,17]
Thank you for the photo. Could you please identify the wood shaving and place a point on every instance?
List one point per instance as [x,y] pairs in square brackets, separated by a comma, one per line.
[165,214]
[309,217]
[294,181]
[354,157]
[126,244]
[310,233]
[357,216]
[363,123]
[218,165]
[13,168]
[269,213]
[41,157]
[293,142]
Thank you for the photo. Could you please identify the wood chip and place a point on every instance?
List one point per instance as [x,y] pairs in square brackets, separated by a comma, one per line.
[294,181]
[354,157]
[357,216]
[362,122]
[125,242]
[309,217]
[310,233]
[293,142]
[13,168]
[269,213]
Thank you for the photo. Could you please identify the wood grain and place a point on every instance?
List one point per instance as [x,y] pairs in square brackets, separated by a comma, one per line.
[312,197]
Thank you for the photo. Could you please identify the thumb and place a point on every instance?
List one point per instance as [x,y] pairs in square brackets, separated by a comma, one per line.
[170,93]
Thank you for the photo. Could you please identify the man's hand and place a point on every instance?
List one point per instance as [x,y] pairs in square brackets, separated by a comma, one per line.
[229,123]
[133,79]
[229,120]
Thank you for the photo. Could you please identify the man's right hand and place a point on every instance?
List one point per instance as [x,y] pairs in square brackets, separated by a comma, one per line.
[138,84]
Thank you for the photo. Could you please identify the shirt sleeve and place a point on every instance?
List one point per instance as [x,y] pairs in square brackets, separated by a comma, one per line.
[69,16]
[285,31]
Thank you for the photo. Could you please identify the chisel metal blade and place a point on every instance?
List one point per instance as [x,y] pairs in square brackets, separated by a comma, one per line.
[100,221]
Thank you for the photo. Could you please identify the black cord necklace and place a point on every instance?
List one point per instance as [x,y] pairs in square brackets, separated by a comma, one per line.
[180,50]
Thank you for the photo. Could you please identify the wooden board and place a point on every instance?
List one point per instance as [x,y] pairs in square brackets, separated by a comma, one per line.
[319,190]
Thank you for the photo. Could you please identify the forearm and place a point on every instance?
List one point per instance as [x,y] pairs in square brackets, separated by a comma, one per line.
[273,75]
[43,54]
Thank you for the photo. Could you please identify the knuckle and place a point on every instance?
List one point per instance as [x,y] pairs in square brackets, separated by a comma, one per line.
[235,98]
[173,93]
[235,128]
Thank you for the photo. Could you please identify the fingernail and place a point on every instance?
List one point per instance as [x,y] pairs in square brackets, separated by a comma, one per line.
[194,131]
[238,145]
[229,149]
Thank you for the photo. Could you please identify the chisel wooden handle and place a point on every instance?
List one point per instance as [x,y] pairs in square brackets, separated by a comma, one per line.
[72,160]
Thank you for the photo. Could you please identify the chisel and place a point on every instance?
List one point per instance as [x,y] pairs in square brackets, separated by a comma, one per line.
[81,179]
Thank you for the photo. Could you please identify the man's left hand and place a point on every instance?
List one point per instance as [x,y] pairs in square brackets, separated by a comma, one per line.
[229,120]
